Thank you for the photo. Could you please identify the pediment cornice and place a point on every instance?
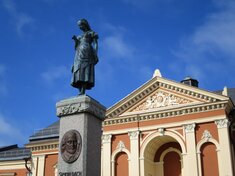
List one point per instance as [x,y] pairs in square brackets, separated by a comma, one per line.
[172,88]
[165,113]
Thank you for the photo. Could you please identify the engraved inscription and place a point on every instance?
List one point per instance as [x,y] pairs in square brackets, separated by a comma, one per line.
[70,174]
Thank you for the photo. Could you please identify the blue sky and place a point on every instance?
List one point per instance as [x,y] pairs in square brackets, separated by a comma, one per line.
[180,37]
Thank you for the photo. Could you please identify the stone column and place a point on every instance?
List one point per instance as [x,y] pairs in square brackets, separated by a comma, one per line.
[80,136]
[224,158]
[191,161]
[106,141]
[134,158]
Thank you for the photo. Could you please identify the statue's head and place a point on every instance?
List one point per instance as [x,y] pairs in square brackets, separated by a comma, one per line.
[83,24]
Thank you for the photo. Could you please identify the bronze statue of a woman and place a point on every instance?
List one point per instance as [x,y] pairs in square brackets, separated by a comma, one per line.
[86,46]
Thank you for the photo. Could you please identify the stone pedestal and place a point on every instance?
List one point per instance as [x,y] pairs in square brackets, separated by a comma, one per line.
[80,136]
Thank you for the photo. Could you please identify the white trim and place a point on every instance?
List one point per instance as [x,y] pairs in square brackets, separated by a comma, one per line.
[156,134]
[171,149]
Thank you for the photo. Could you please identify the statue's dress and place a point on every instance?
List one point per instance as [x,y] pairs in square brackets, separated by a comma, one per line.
[84,61]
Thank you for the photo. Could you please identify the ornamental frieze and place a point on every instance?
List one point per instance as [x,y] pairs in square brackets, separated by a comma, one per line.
[65,109]
[160,114]
[161,99]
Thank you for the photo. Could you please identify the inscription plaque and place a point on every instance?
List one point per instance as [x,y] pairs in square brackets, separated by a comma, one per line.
[71,145]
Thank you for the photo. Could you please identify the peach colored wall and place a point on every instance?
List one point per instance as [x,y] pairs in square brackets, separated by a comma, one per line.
[211,126]
[180,131]
[19,172]
[121,165]
[50,162]
[121,137]
[172,165]
[209,160]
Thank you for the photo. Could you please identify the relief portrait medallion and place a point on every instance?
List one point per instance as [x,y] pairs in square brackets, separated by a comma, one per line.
[70,146]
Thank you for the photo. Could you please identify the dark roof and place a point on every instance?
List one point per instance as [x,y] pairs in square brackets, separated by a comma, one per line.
[49,132]
[4,148]
[13,152]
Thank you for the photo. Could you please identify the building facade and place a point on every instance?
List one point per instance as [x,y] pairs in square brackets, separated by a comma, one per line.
[163,128]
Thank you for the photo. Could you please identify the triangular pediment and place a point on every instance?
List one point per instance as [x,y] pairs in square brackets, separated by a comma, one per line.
[161,94]
[162,98]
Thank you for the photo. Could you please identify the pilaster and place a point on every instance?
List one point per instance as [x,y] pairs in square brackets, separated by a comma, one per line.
[225,159]
[41,165]
[106,157]
[191,161]
[134,147]
[34,165]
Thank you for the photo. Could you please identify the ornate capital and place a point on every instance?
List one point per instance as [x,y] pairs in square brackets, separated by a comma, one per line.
[223,123]
[106,138]
[189,128]
[80,104]
[133,135]
[206,135]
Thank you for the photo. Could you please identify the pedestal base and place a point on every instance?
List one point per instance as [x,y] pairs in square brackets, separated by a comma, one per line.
[80,156]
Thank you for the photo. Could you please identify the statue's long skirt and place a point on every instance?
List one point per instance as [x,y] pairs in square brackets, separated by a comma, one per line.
[84,74]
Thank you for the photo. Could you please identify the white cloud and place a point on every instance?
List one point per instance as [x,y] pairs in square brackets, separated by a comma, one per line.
[218,32]
[54,73]
[114,44]
[122,56]
[117,47]
[21,20]
[8,133]
[210,50]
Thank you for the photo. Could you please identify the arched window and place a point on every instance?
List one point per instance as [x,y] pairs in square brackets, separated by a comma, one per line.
[121,164]
[209,160]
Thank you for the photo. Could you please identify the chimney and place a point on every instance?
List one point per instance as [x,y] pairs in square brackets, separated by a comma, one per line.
[190,81]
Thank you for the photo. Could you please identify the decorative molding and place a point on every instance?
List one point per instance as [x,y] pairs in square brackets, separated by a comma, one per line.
[44,147]
[80,105]
[161,131]
[134,135]
[106,138]
[152,87]
[165,114]
[69,109]
[161,99]
[189,128]
[120,146]
[206,135]
[223,123]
